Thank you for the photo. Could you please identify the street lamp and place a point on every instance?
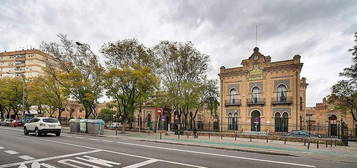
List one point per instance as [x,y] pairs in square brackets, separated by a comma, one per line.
[87,47]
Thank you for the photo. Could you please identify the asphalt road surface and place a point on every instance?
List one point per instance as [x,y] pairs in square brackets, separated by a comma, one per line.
[69,150]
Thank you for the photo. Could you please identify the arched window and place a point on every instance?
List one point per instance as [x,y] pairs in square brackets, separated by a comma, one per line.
[332,125]
[233,121]
[232,96]
[301,104]
[255,94]
[277,122]
[285,122]
[255,121]
[282,94]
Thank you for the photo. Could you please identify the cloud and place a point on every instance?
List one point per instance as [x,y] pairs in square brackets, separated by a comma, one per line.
[320,31]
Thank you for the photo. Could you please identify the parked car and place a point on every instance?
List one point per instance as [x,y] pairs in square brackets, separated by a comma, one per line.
[2,123]
[302,134]
[114,125]
[42,126]
[7,122]
[16,123]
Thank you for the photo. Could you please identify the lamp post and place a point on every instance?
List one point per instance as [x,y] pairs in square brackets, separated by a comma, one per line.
[87,47]
[116,125]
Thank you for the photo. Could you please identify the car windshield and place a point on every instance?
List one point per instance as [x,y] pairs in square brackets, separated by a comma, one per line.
[50,120]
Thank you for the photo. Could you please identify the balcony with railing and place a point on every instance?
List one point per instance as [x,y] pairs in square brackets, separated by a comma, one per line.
[282,100]
[255,101]
[232,102]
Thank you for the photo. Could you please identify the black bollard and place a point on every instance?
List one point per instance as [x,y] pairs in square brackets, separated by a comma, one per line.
[235,137]
[308,145]
[209,136]
[326,143]
[250,138]
[267,139]
[317,144]
[335,142]
[221,136]
[284,140]
[160,135]
[304,142]
[331,143]
[178,136]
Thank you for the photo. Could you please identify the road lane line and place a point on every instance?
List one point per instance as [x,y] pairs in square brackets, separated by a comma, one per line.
[93,139]
[106,141]
[11,152]
[142,163]
[173,149]
[1,147]
[221,155]
[26,157]
[49,158]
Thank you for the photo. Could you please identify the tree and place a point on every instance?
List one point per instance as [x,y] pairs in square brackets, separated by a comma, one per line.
[77,70]
[182,70]
[130,79]
[106,114]
[344,93]
[48,95]
[11,95]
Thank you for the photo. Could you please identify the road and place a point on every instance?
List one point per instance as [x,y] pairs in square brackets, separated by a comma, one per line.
[69,150]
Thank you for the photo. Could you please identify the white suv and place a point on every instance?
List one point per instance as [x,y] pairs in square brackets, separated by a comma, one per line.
[43,125]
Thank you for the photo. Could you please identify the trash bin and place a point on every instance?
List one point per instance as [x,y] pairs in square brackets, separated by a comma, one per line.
[95,127]
[74,125]
[83,126]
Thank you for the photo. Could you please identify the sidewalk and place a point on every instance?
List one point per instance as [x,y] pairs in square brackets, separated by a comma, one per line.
[275,147]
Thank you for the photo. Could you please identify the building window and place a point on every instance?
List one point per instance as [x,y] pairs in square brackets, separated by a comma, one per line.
[255,121]
[332,126]
[281,122]
[277,122]
[232,96]
[255,94]
[285,122]
[233,121]
[301,104]
[282,93]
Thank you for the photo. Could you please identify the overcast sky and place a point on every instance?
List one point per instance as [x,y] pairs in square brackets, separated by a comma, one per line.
[321,31]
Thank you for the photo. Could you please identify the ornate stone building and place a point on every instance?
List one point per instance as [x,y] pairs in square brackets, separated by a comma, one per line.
[263,95]
[322,119]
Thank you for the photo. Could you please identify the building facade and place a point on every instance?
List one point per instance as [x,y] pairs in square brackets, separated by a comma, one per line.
[23,62]
[263,96]
[323,120]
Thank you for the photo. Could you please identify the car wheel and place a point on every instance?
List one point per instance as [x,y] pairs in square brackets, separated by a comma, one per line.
[58,133]
[37,133]
[45,134]
[25,131]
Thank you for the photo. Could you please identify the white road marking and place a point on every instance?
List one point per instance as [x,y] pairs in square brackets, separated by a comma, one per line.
[221,155]
[1,147]
[79,137]
[11,152]
[98,161]
[49,158]
[68,164]
[93,139]
[142,163]
[47,165]
[26,157]
[106,141]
